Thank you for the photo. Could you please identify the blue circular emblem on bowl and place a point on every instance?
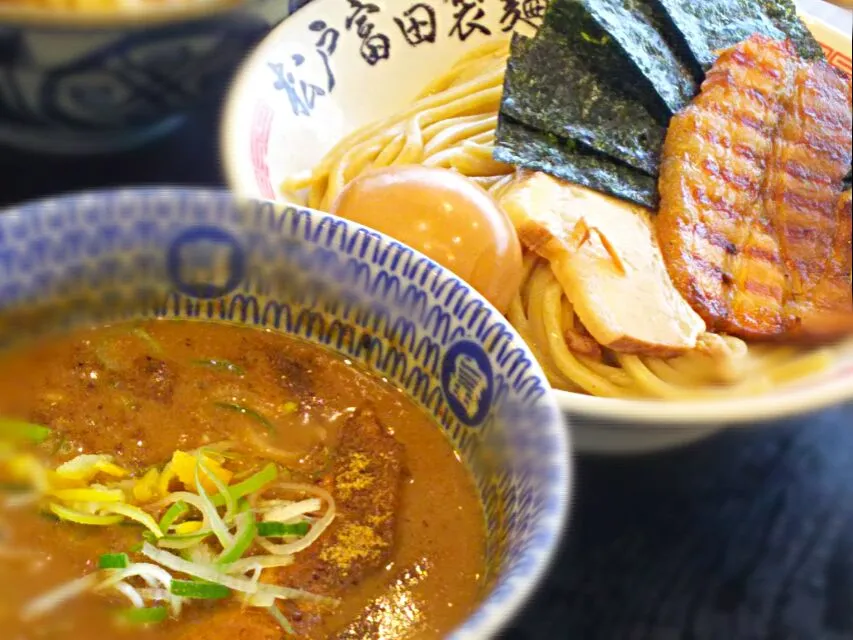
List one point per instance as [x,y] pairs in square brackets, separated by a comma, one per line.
[468,382]
[206,263]
[202,255]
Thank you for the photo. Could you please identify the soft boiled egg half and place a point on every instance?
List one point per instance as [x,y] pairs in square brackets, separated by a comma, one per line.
[445,216]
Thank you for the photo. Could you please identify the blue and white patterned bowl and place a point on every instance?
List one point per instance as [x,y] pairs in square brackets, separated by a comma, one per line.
[198,254]
[78,82]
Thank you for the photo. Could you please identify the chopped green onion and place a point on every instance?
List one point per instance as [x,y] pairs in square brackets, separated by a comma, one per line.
[214,520]
[172,514]
[199,590]
[81,517]
[221,365]
[22,430]
[243,538]
[250,485]
[149,615]
[246,411]
[114,561]
[244,585]
[187,541]
[147,338]
[281,530]
[221,487]
[136,514]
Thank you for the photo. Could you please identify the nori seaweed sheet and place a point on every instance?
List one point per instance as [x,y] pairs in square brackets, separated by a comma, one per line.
[783,13]
[550,87]
[622,39]
[569,160]
[710,25]
[704,28]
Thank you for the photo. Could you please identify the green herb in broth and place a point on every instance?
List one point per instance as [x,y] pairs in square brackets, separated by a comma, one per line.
[282,530]
[247,411]
[144,616]
[199,590]
[173,513]
[21,430]
[263,515]
[244,537]
[114,561]
[221,365]
[251,485]
[215,577]
[148,339]
[116,361]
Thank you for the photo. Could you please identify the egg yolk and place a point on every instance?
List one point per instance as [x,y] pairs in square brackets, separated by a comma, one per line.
[446,217]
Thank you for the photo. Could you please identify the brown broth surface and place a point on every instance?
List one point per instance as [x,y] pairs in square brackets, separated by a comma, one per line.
[115,391]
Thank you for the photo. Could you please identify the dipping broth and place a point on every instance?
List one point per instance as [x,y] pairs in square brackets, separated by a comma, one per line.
[156,458]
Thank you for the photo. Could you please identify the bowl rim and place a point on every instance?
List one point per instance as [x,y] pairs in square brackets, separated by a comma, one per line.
[129,17]
[510,593]
[645,413]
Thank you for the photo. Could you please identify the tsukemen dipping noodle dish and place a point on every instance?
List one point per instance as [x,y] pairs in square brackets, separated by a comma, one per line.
[174,480]
[655,192]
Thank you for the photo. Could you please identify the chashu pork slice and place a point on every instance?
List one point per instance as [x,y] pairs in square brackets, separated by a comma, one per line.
[604,254]
[753,223]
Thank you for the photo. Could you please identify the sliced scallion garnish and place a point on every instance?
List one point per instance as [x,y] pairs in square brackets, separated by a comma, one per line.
[221,487]
[114,561]
[214,520]
[250,485]
[248,412]
[221,365]
[147,338]
[19,430]
[136,514]
[147,615]
[172,514]
[244,585]
[79,517]
[243,538]
[180,542]
[199,590]
[281,530]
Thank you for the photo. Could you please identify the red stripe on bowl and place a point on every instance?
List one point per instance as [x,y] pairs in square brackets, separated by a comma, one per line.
[260,142]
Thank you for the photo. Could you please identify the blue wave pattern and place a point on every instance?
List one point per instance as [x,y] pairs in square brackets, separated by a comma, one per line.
[329,282]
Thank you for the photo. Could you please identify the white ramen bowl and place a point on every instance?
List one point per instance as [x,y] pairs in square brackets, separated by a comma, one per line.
[332,68]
